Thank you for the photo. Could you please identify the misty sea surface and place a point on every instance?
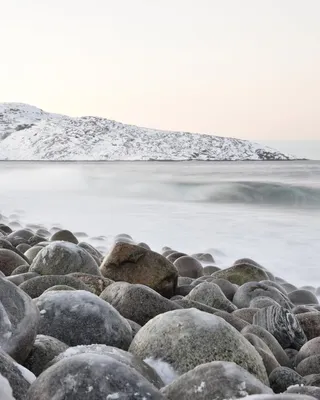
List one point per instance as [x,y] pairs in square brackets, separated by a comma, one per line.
[268,211]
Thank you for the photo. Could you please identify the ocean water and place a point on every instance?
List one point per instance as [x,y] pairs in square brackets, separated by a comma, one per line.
[268,211]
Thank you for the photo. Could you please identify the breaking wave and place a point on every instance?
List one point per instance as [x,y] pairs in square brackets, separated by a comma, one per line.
[247,192]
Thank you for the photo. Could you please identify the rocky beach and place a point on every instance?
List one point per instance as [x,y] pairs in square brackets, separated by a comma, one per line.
[133,323]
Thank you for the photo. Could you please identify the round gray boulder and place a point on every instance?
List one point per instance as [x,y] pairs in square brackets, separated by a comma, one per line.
[17,376]
[187,338]
[281,378]
[309,365]
[120,355]
[189,267]
[218,380]
[311,348]
[19,320]
[62,258]
[64,235]
[80,317]
[270,341]
[9,261]
[211,295]
[34,287]
[45,349]
[247,292]
[310,323]
[303,297]
[137,302]
[91,377]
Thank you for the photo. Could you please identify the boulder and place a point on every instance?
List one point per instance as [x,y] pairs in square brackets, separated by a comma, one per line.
[80,317]
[187,338]
[283,325]
[227,287]
[91,377]
[188,266]
[96,284]
[269,360]
[211,295]
[137,302]
[120,355]
[65,236]
[237,323]
[32,253]
[311,348]
[44,350]
[217,380]
[303,297]
[134,264]
[262,302]
[270,341]
[22,269]
[62,258]
[175,255]
[242,273]
[281,378]
[9,261]
[187,303]
[312,391]
[34,287]
[16,376]
[20,278]
[247,292]
[309,365]
[246,314]
[19,320]
[310,323]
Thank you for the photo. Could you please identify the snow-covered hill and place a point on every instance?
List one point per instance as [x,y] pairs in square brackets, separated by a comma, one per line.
[28,133]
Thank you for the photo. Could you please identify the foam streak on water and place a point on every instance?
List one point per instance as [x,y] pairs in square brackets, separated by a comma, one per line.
[266,211]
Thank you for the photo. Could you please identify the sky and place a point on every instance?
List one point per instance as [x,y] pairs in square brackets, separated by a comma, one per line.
[242,68]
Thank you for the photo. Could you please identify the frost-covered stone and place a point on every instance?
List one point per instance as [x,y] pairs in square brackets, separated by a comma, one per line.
[80,317]
[92,377]
[17,377]
[62,258]
[19,320]
[5,389]
[188,338]
[217,380]
[120,355]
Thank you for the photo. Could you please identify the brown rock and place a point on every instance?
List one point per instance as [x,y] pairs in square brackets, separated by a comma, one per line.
[134,264]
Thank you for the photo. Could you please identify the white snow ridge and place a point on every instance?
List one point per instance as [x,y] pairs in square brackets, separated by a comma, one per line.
[28,133]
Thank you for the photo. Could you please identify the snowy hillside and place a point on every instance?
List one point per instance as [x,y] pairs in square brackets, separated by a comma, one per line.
[28,133]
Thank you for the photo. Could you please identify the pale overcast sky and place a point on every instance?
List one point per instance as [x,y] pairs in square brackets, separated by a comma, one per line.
[244,68]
